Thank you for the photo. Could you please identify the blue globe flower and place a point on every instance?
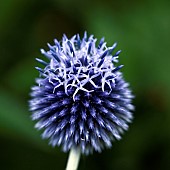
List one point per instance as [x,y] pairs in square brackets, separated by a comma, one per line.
[81,99]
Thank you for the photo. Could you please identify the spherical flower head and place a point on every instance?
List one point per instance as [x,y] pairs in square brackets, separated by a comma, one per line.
[81,99]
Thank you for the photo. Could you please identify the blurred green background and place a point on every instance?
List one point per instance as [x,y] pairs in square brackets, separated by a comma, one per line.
[142,30]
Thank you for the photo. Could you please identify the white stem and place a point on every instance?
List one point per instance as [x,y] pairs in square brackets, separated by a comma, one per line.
[73,159]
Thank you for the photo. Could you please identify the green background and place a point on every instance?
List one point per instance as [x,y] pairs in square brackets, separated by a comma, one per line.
[142,30]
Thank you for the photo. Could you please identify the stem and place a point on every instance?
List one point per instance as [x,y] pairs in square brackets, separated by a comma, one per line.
[73,159]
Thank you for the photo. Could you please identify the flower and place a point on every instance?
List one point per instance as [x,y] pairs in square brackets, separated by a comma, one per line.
[81,99]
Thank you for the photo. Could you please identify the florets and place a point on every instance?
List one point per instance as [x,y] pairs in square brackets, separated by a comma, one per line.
[81,99]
